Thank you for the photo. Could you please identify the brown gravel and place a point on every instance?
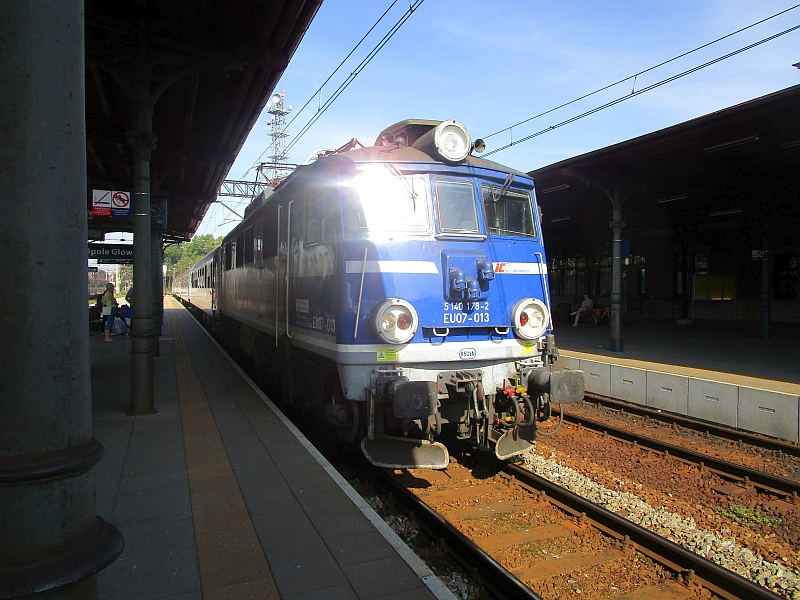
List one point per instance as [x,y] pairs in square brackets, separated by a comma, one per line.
[611,579]
[766,525]
[743,454]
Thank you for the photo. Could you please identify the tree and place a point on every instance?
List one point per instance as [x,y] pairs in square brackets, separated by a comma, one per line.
[180,257]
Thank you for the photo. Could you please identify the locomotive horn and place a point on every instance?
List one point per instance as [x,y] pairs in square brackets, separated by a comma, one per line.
[387,140]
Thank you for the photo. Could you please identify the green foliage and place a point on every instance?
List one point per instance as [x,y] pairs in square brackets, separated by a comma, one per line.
[125,279]
[748,516]
[179,257]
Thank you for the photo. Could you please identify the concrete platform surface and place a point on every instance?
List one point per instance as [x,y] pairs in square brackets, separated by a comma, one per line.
[219,496]
[726,352]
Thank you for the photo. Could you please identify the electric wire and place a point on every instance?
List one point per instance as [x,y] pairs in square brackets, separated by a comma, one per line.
[336,70]
[643,90]
[351,77]
[635,75]
[361,66]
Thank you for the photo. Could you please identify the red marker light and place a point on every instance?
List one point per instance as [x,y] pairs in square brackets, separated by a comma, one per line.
[404,321]
[523,319]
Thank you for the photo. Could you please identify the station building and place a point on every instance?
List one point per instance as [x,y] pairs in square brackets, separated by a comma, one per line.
[706,214]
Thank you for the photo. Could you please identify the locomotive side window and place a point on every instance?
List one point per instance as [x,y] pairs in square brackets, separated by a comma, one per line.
[457,210]
[271,233]
[508,213]
[258,245]
[249,246]
[322,216]
[378,200]
[239,250]
[227,251]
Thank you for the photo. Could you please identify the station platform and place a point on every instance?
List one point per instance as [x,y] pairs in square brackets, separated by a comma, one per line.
[719,372]
[219,496]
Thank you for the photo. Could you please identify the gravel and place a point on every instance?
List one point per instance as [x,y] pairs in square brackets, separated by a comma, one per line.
[456,582]
[716,546]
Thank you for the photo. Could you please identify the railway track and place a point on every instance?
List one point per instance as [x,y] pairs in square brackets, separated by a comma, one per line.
[526,537]
[745,477]
[720,431]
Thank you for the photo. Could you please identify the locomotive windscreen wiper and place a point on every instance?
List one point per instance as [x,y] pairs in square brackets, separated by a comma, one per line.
[497,195]
[409,187]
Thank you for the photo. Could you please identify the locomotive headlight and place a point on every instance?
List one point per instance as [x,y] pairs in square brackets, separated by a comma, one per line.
[395,321]
[451,140]
[530,318]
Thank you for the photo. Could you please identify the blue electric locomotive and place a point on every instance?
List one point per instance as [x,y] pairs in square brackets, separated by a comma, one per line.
[396,290]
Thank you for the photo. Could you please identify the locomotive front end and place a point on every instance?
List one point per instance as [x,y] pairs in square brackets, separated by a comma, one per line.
[448,304]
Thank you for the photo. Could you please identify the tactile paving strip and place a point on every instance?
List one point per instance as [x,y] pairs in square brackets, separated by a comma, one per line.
[232,563]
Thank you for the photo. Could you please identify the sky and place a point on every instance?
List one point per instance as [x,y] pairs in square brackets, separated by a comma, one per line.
[492,63]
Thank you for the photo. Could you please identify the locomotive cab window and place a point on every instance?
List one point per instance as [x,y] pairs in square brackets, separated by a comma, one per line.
[508,213]
[457,210]
[380,199]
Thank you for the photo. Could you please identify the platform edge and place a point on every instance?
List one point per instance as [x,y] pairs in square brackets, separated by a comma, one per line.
[427,577]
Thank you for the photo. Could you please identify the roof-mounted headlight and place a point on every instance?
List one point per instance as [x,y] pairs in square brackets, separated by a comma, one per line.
[530,318]
[395,321]
[451,140]
[448,141]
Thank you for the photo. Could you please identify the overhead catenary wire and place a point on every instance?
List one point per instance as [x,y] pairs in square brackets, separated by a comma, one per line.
[643,90]
[324,83]
[636,75]
[361,66]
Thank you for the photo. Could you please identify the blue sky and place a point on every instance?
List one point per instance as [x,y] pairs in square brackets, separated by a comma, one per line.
[492,63]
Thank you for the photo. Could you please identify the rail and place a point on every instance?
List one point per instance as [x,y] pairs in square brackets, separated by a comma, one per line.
[492,574]
[728,470]
[736,435]
[694,567]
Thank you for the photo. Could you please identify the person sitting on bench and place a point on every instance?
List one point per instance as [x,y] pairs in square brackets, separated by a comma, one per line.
[586,307]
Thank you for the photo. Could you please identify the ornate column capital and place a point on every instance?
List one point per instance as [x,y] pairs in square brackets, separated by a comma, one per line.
[143,144]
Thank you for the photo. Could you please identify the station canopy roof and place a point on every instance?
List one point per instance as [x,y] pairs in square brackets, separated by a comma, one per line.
[210,68]
[736,166]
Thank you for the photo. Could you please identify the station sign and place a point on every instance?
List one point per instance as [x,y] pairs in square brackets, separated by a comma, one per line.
[112,254]
[111,203]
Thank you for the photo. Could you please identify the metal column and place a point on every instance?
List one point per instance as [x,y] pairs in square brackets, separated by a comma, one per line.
[158,289]
[51,539]
[764,317]
[142,332]
[616,280]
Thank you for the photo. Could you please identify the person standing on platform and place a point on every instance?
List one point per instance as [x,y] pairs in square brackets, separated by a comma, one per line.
[129,297]
[109,309]
[586,307]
